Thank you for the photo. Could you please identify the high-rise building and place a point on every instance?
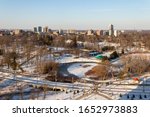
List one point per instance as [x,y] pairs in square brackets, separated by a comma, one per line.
[61,32]
[90,32]
[35,29]
[45,29]
[39,29]
[116,33]
[111,30]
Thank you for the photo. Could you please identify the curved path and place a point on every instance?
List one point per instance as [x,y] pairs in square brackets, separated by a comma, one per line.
[63,69]
[64,72]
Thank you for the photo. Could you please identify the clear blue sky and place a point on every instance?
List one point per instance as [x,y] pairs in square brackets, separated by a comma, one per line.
[75,14]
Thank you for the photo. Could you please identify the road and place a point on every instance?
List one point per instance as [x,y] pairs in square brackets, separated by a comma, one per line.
[34,81]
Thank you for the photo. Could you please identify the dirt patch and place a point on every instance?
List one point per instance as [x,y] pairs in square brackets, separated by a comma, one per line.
[99,72]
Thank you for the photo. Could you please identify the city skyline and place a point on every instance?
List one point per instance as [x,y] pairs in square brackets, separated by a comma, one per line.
[75,14]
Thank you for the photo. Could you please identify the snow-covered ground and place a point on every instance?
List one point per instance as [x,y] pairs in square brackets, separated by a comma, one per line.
[72,58]
[68,58]
[102,44]
[128,89]
[119,89]
[94,97]
[79,69]
[79,66]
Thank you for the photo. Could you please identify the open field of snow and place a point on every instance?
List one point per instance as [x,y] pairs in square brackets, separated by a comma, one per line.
[79,69]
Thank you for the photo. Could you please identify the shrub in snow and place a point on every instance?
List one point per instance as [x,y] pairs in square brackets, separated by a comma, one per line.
[47,67]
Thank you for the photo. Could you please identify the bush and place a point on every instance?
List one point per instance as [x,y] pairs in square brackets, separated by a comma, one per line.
[47,67]
[136,65]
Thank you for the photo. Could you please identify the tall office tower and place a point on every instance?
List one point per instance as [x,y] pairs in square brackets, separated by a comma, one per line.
[61,32]
[111,30]
[35,29]
[45,29]
[39,29]
[116,32]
